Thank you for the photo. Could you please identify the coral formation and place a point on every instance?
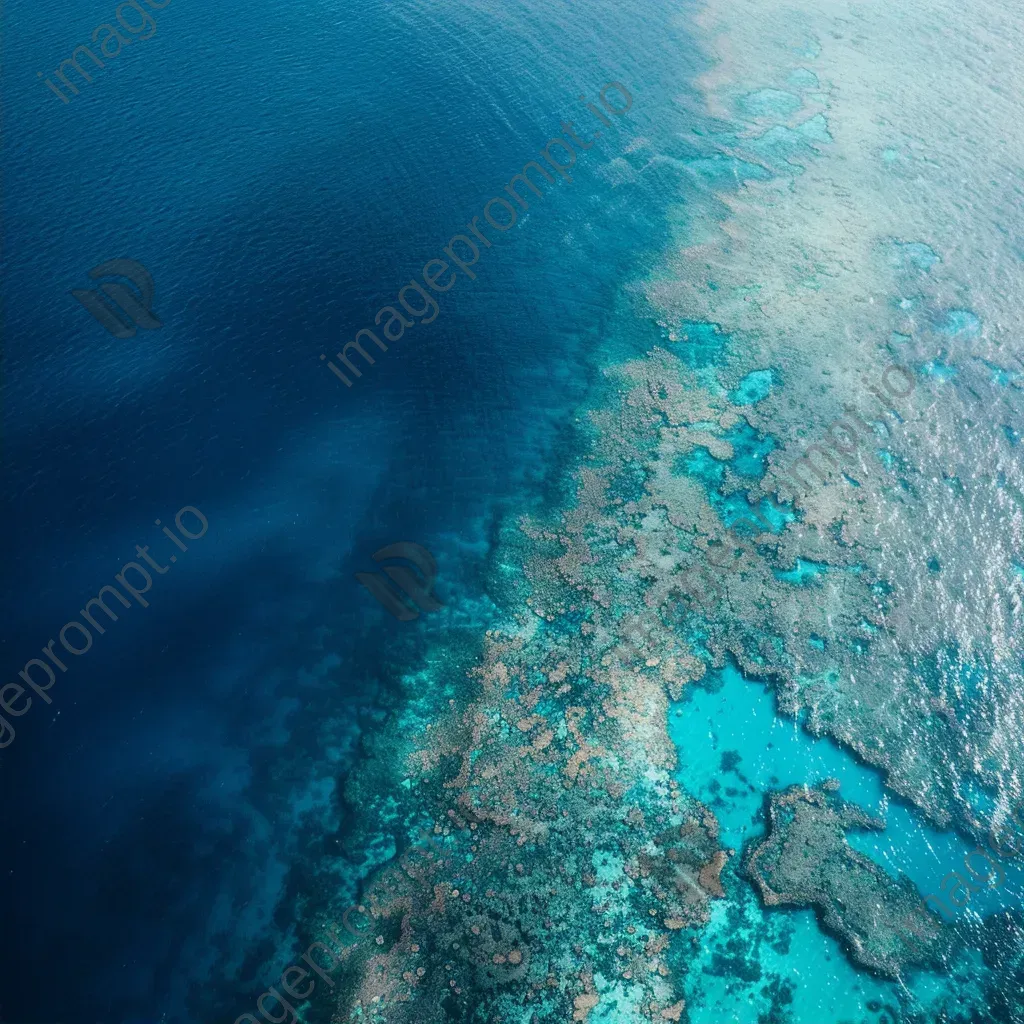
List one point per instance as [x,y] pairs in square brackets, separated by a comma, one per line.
[571,855]
[805,861]
[846,249]
[565,855]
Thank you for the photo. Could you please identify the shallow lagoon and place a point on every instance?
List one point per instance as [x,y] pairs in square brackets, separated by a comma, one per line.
[733,748]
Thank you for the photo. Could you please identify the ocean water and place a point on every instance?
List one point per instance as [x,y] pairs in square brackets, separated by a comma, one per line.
[792,204]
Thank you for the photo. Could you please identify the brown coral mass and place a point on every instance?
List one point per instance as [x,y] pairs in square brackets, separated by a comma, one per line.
[805,861]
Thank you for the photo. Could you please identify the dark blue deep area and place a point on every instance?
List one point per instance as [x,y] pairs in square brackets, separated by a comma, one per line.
[281,169]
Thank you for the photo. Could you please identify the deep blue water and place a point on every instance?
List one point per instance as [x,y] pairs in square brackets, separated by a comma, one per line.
[281,170]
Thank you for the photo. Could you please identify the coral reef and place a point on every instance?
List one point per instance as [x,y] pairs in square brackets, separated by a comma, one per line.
[805,861]
[564,856]
[846,248]
[569,856]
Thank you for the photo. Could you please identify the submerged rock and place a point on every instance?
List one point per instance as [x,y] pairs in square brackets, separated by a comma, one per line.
[805,861]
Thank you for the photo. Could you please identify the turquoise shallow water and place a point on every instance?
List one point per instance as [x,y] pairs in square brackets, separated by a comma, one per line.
[734,748]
